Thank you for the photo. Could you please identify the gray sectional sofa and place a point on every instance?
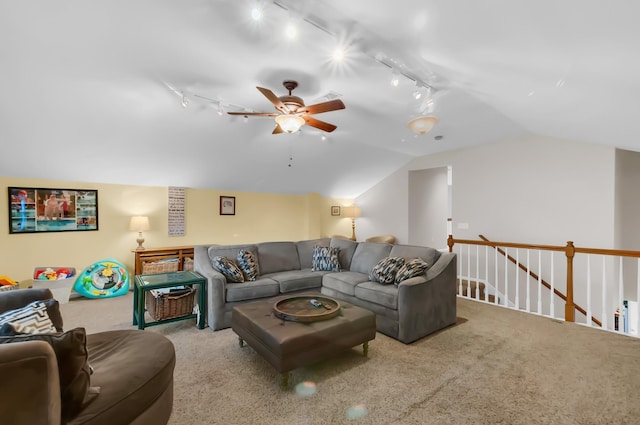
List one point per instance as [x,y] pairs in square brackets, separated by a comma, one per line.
[408,311]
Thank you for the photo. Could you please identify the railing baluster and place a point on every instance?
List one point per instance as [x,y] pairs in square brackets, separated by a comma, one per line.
[497,285]
[486,273]
[539,282]
[460,260]
[552,294]
[478,272]
[518,279]
[620,295]
[589,322]
[604,293]
[469,271]
[528,280]
[506,277]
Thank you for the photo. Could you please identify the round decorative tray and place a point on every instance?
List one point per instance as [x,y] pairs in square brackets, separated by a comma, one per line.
[301,309]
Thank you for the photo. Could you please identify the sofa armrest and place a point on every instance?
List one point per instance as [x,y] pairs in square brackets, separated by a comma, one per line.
[17,298]
[30,386]
[428,303]
[216,286]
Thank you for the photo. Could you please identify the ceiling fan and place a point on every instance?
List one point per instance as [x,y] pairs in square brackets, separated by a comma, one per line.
[293,113]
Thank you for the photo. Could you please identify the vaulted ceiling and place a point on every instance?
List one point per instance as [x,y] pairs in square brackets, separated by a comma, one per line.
[92,90]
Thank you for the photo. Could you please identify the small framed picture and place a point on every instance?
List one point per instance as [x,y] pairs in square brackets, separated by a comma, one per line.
[227,205]
[335,210]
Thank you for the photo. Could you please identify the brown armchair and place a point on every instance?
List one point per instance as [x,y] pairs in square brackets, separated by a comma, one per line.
[131,383]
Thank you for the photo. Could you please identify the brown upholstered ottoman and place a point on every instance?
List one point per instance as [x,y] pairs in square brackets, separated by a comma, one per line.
[288,344]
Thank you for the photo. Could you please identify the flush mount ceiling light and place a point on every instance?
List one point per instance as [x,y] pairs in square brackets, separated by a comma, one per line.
[290,123]
[422,125]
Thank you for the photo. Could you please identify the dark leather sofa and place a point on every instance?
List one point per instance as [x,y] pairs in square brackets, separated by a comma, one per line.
[131,383]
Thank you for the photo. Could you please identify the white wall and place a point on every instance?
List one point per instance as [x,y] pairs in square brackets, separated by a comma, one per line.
[531,190]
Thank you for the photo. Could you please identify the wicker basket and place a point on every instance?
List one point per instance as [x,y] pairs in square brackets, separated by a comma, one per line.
[151,267]
[170,305]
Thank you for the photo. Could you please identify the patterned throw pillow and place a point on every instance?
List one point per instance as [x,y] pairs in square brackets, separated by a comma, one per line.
[73,367]
[412,268]
[325,259]
[228,268]
[30,319]
[385,271]
[248,263]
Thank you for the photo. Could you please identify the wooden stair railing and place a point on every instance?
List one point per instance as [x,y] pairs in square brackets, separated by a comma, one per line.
[570,250]
[536,277]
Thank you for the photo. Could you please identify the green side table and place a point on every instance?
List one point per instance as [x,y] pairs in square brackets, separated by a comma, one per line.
[147,282]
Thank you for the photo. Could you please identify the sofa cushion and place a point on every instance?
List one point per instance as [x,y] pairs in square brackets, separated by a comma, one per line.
[73,367]
[384,295]
[325,259]
[347,248]
[385,271]
[428,254]
[410,269]
[367,255]
[228,268]
[305,250]
[150,357]
[278,257]
[344,282]
[259,288]
[297,280]
[248,263]
[30,319]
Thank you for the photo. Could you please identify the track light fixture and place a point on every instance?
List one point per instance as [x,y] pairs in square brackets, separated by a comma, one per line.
[185,101]
[395,78]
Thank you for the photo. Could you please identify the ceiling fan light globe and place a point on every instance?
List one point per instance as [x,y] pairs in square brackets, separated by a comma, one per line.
[290,123]
[422,125]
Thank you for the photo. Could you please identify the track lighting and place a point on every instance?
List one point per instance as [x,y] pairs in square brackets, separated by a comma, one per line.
[395,78]
[185,101]
[220,109]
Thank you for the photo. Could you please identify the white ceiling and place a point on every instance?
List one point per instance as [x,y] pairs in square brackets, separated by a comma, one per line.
[87,86]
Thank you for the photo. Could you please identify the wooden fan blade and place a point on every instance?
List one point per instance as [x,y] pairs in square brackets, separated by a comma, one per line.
[319,108]
[324,126]
[257,114]
[274,99]
[277,130]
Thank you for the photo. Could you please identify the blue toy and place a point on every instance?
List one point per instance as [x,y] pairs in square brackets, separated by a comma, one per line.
[103,279]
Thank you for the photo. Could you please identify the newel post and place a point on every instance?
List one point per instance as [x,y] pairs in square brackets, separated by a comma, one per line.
[569,306]
[450,243]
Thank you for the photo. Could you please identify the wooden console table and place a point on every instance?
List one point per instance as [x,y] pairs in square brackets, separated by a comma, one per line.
[159,254]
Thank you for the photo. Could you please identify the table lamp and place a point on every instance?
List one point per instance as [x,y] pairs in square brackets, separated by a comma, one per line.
[139,223]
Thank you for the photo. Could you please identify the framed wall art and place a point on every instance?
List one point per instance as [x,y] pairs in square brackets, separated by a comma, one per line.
[335,210]
[227,205]
[35,210]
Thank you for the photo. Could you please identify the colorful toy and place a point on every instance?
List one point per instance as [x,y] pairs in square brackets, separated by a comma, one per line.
[52,274]
[103,279]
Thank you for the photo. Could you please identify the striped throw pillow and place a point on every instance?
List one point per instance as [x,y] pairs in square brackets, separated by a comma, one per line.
[325,259]
[412,268]
[30,319]
[385,271]
[228,268]
[248,263]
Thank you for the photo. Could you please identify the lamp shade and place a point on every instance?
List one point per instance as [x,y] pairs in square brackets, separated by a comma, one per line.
[422,125]
[139,223]
[290,123]
[352,211]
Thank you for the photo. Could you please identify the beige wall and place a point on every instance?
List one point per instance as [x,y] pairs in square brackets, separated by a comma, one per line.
[259,217]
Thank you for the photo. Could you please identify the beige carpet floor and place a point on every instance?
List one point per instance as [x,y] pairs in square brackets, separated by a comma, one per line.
[495,366]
